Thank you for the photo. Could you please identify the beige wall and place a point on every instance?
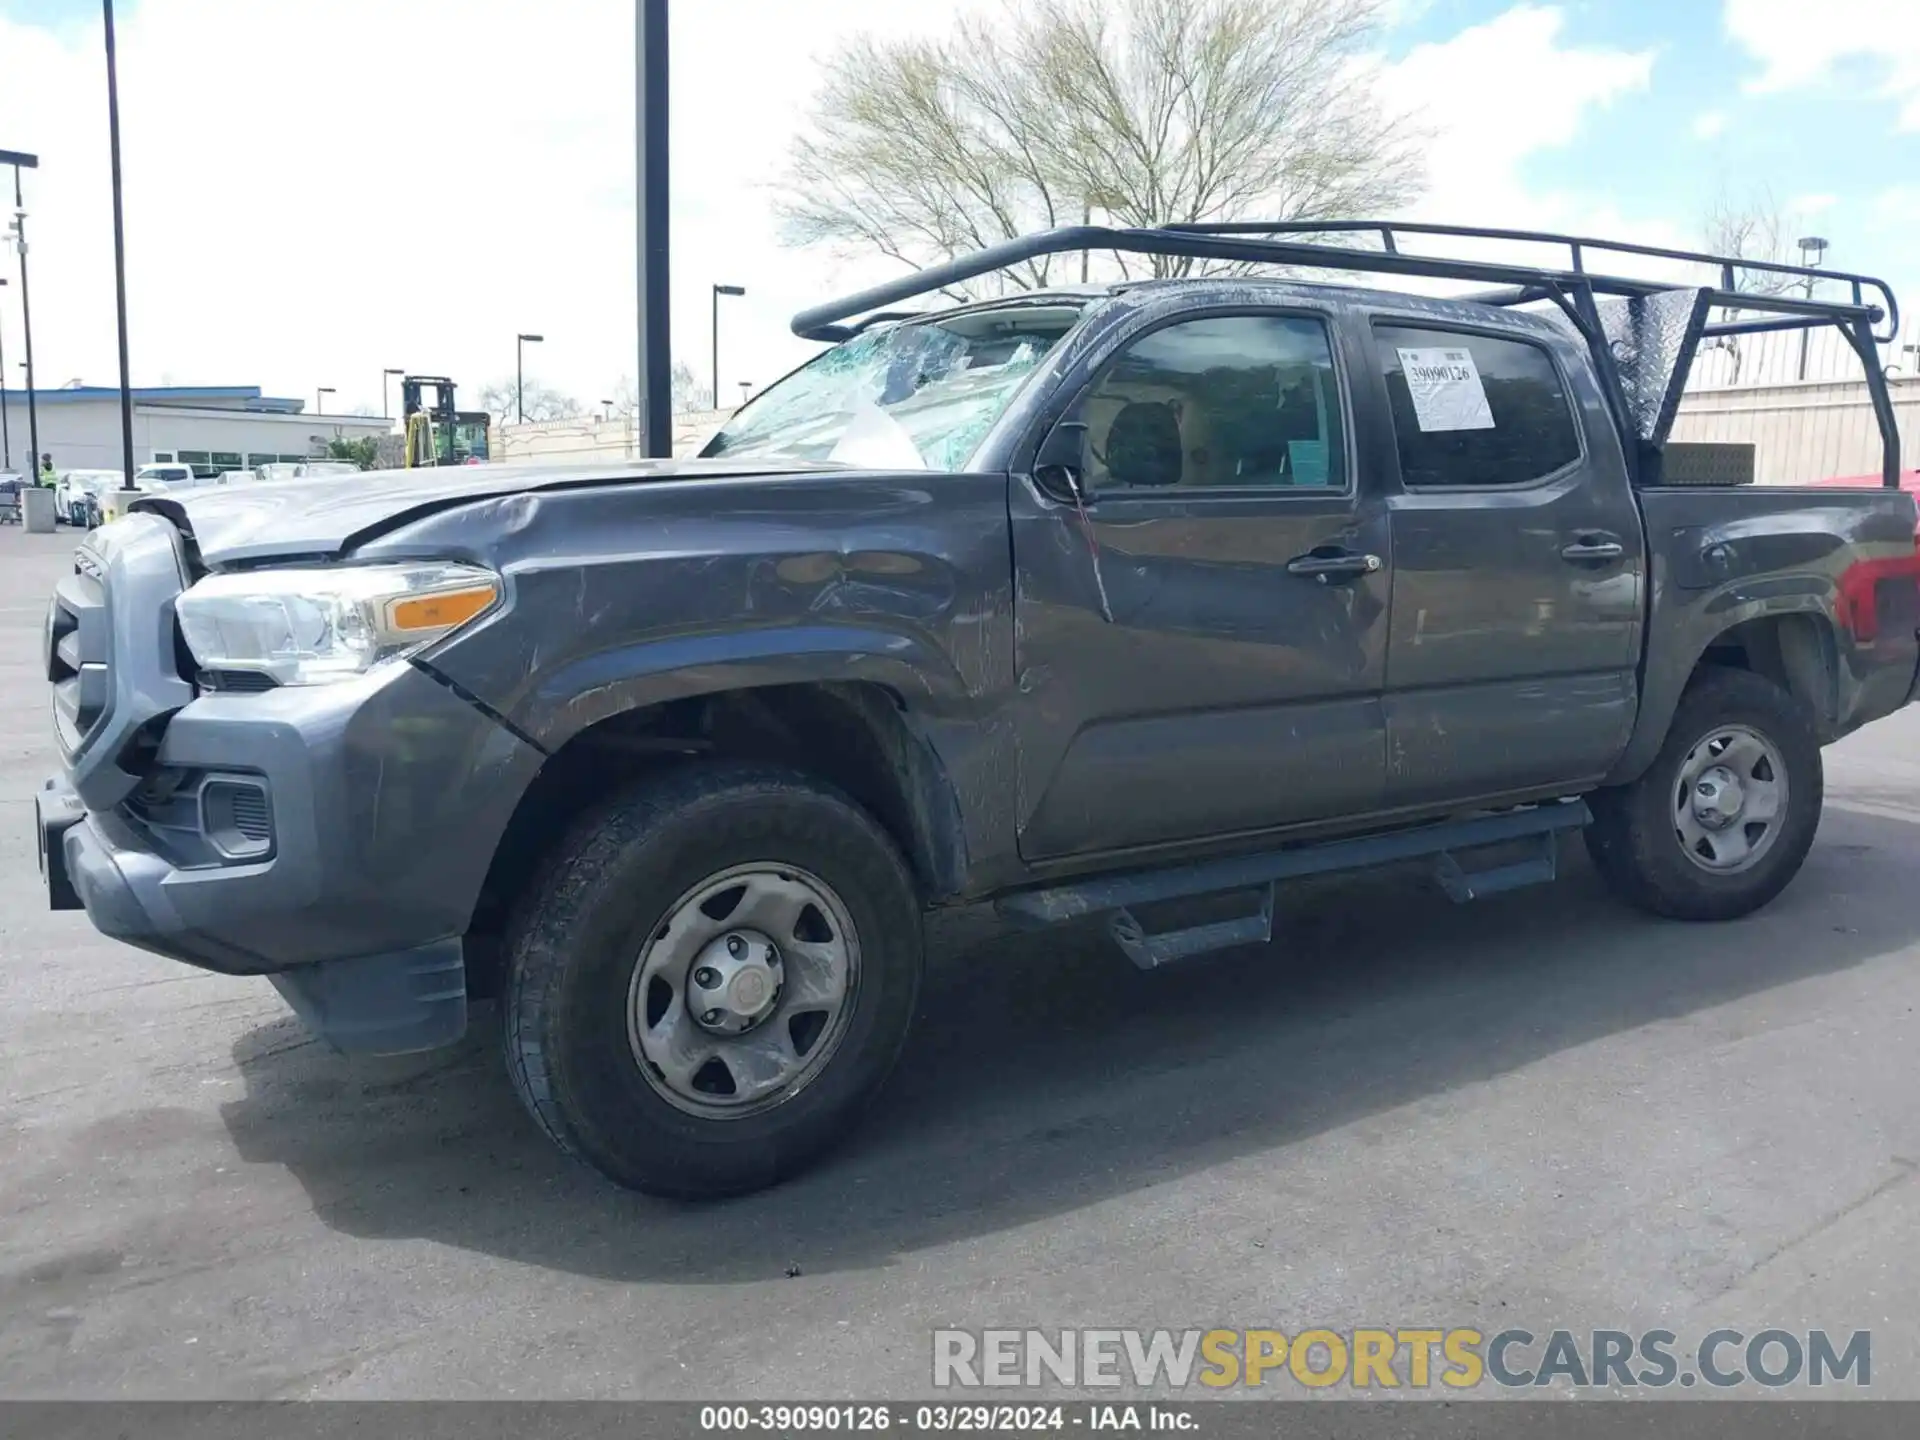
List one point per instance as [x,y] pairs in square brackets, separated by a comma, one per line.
[1804,432]
[593,439]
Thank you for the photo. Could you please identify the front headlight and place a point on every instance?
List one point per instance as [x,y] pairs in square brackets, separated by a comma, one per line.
[309,627]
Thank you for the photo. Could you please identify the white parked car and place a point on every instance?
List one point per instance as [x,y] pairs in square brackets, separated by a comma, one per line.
[76,499]
[168,476]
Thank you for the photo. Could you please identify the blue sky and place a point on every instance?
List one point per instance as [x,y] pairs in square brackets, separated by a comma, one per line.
[276,232]
[1832,152]
[58,12]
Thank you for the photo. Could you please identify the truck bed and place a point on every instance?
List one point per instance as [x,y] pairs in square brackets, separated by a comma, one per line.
[1842,558]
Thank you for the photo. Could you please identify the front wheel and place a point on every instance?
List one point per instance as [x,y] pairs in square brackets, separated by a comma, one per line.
[716,974]
[1722,820]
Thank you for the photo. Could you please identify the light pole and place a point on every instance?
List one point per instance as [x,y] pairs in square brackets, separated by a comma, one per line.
[20,160]
[520,343]
[652,200]
[745,387]
[119,248]
[718,291]
[1815,246]
[606,410]
[319,403]
[6,439]
[386,406]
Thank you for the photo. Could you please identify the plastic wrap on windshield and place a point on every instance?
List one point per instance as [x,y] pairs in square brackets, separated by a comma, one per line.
[953,447]
[882,368]
[910,386]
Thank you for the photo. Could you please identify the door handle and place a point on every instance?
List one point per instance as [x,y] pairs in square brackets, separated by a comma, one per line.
[1328,568]
[1592,548]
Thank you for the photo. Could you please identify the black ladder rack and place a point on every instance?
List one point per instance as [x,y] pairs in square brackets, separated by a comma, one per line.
[1868,317]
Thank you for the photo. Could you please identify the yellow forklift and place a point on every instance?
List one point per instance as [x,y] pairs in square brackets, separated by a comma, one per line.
[437,431]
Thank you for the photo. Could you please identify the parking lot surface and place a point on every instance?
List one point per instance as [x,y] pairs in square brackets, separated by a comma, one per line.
[1541,1110]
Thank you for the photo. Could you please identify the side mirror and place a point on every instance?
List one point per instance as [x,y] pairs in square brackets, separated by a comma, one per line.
[1064,450]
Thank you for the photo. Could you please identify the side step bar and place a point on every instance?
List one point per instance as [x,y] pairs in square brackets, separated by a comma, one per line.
[1114,896]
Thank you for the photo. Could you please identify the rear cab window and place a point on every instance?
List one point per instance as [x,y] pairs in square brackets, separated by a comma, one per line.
[1473,410]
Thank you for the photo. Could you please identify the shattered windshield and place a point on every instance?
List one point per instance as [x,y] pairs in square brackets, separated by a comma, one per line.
[919,396]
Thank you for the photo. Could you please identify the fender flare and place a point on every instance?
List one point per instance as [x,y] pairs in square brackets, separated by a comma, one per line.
[597,687]
[888,685]
[1664,679]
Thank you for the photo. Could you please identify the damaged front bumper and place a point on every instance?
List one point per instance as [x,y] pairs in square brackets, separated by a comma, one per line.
[332,838]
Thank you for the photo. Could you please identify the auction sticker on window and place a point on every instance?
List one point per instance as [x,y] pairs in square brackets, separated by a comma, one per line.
[1446,389]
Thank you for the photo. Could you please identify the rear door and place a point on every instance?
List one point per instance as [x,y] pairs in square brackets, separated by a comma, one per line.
[1201,648]
[1518,566]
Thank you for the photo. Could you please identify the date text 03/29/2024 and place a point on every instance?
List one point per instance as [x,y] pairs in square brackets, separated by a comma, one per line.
[945,1418]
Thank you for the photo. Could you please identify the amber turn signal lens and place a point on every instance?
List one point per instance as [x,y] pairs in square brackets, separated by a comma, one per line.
[439,612]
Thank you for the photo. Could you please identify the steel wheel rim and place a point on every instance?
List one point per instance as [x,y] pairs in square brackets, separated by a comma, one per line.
[816,975]
[1730,800]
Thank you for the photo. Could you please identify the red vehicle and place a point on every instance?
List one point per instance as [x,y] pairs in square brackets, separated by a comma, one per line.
[1860,585]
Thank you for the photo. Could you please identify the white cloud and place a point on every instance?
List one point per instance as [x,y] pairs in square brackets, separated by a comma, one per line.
[1797,47]
[1499,94]
[1808,206]
[352,184]
[1710,125]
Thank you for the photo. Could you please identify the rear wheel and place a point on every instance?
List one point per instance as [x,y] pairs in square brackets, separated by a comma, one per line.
[716,974]
[1723,818]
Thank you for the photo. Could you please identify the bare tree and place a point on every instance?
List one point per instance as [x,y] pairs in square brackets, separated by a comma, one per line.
[502,400]
[689,394]
[1755,229]
[1750,229]
[1136,112]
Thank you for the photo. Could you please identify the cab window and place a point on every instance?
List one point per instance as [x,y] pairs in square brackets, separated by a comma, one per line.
[1224,402]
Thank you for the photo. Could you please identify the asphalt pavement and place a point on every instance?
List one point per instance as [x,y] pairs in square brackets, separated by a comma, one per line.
[1541,1110]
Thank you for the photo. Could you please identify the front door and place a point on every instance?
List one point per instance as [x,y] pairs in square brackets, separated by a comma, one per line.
[1518,568]
[1201,646]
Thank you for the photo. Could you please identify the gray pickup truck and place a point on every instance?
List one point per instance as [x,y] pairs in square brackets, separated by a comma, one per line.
[1067,603]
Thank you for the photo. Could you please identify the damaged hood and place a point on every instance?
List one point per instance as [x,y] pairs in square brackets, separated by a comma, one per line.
[327,515]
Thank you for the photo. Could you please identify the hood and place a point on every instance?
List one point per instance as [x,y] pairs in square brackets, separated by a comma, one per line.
[328,514]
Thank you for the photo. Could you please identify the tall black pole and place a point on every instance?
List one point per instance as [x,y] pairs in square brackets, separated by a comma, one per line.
[6,437]
[119,249]
[26,322]
[716,347]
[520,377]
[651,197]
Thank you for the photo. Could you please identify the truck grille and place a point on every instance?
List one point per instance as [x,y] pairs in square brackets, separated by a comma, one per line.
[77,652]
[111,655]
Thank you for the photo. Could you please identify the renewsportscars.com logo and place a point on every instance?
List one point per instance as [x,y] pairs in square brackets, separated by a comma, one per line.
[1381,1359]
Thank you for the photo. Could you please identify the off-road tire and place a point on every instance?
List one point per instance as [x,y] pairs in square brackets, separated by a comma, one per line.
[579,934]
[1633,841]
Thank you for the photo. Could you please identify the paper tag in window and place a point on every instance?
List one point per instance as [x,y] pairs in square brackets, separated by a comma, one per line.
[1307,459]
[1446,389]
